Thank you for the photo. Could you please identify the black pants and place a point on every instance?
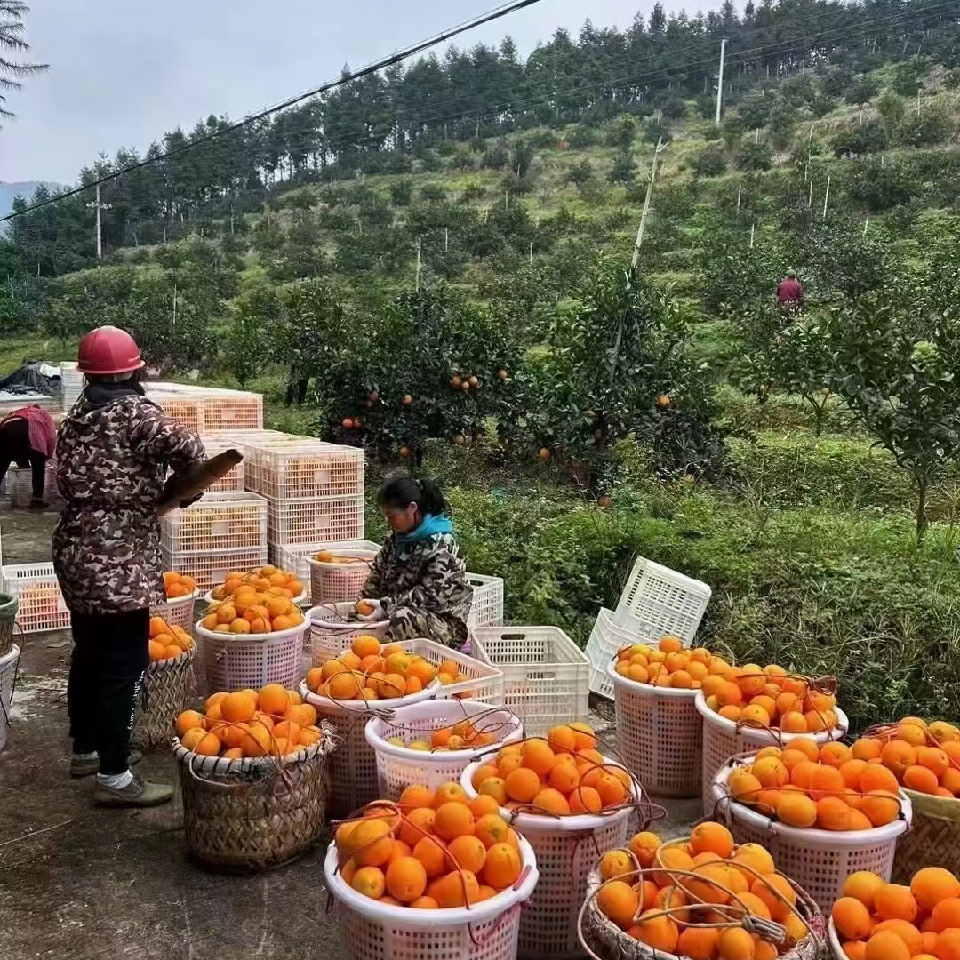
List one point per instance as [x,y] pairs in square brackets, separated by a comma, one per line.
[296,390]
[15,448]
[110,655]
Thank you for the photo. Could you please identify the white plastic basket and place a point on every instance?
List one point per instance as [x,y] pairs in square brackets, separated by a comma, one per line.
[606,640]
[340,582]
[567,849]
[21,485]
[296,556]
[659,735]
[209,568]
[292,468]
[331,633]
[669,601]
[238,519]
[487,606]
[372,930]
[307,521]
[241,661]
[353,765]
[401,767]
[8,674]
[546,675]
[835,951]
[818,860]
[178,612]
[37,589]
[723,739]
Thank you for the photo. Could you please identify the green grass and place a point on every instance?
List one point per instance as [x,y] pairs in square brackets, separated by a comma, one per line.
[14,350]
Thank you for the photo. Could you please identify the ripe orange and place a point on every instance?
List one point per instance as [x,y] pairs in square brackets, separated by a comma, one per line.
[618,901]
[585,800]
[562,739]
[734,943]
[538,757]
[406,879]
[931,885]
[208,746]
[432,854]
[948,945]
[523,784]
[863,886]
[450,792]
[886,946]
[372,843]
[921,778]
[274,699]
[893,901]
[188,720]
[453,820]
[369,881]
[658,932]
[644,847]
[796,810]
[711,837]
[852,919]
[469,853]
[615,863]
[775,891]
[698,943]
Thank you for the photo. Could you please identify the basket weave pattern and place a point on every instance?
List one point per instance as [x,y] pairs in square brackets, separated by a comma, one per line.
[167,685]
[932,841]
[252,815]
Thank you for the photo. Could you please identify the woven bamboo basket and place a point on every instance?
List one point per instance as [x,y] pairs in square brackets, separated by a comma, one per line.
[256,813]
[8,616]
[604,940]
[166,686]
[932,841]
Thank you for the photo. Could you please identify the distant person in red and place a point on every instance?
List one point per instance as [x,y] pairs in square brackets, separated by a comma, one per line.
[27,438]
[790,292]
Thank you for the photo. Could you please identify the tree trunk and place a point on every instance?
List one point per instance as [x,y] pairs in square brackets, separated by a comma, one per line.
[922,483]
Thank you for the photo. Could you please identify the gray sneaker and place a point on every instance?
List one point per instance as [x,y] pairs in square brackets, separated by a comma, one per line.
[137,793]
[83,767]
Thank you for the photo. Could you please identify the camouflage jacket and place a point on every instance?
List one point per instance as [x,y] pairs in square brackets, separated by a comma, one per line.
[430,577]
[112,459]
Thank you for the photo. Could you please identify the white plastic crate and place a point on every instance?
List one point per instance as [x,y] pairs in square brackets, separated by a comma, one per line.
[671,602]
[232,410]
[36,588]
[546,675]
[296,469]
[72,382]
[606,639]
[307,521]
[237,520]
[210,567]
[296,556]
[233,482]
[185,410]
[487,606]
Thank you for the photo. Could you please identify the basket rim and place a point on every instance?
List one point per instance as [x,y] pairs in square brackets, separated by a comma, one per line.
[832,839]
[298,630]
[482,912]
[833,941]
[208,598]
[760,736]
[9,657]
[176,601]
[352,625]
[648,689]
[358,706]
[355,553]
[545,824]
[375,739]
[221,766]
[168,662]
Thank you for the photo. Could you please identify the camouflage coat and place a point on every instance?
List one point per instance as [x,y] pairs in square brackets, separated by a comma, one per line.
[424,592]
[112,458]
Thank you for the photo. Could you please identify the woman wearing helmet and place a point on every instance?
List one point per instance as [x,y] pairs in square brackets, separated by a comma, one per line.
[114,451]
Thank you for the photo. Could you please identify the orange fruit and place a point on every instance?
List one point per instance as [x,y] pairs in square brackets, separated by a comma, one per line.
[616,863]
[948,945]
[946,914]
[852,919]
[775,891]
[863,886]
[482,805]
[585,800]
[449,792]
[538,757]
[771,772]
[369,881]
[893,901]
[406,879]
[496,788]
[562,739]
[453,820]
[274,699]
[425,903]
[564,776]
[734,943]
[188,720]
[491,829]
[372,843]
[671,858]
[618,901]
[457,889]
[755,906]
[921,779]
[711,837]
[698,943]
[237,708]
[431,852]
[897,755]
[468,852]
[522,785]
[931,885]
[880,807]
[886,946]
[644,847]
[551,801]
[796,810]
[833,814]
[192,737]
[208,746]
[657,932]
[907,932]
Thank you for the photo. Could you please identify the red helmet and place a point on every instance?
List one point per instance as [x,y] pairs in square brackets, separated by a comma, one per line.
[108,350]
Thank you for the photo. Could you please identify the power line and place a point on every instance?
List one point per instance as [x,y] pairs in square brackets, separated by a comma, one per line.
[383,63]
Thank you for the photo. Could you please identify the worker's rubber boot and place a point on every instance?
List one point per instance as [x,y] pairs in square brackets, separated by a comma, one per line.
[39,505]
[84,766]
[137,793]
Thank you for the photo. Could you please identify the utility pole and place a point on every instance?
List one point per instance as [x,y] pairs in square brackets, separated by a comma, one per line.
[723,51]
[446,239]
[739,195]
[98,206]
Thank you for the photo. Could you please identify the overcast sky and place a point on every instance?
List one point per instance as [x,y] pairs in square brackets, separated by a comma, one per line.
[122,73]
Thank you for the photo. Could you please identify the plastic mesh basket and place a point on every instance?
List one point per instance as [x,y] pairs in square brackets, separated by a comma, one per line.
[331,633]
[236,662]
[546,675]
[669,601]
[567,849]
[8,674]
[178,612]
[372,930]
[606,639]
[659,736]
[210,567]
[307,521]
[21,485]
[340,582]
[818,860]
[184,409]
[723,739]
[295,469]
[487,606]
[400,767]
[296,556]
[238,519]
[36,588]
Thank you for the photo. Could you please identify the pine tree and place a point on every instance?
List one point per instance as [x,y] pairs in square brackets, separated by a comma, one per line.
[14,72]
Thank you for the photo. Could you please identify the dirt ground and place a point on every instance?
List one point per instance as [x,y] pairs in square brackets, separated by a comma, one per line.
[80,882]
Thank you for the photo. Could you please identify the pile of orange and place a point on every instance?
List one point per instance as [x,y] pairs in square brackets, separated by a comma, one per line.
[636,901]
[922,756]
[563,774]
[250,723]
[462,735]
[266,580]
[177,585]
[326,556]
[440,851]
[371,671]
[769,698]
[166,641]
[876,920]
[252,607]
[671,665]
[805,784]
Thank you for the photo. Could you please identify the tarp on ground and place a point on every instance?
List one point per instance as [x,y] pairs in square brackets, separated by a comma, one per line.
[31,379]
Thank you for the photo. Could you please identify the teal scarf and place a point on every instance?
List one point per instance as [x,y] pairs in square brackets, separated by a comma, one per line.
[430,526]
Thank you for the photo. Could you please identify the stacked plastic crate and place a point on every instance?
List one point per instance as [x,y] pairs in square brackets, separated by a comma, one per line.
[208,409]
[71,384]
[314,493]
